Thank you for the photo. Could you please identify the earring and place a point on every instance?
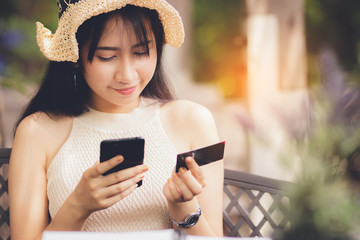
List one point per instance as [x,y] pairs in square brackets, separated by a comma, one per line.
[75,79]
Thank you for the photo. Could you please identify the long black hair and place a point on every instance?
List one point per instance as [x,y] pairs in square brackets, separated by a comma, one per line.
[60,95]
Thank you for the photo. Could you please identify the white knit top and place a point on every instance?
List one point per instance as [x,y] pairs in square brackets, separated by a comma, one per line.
[144,209]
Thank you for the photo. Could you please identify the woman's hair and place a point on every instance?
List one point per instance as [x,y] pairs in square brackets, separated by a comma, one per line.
[60,95]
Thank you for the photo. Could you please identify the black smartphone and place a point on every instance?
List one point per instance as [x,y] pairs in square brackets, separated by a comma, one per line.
[132,149]
[202,156]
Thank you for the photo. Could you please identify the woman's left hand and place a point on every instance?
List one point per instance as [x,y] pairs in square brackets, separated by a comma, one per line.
[186,184]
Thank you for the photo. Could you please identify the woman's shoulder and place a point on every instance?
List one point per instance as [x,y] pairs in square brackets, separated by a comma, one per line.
[186,109]
[43,130]
[190,121]
[41,122]
[183,106]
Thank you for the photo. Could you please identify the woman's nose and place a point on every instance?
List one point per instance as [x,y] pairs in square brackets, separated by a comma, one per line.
[126,71]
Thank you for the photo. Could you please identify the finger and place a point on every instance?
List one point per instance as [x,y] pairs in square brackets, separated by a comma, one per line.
[116,198]
[183,188]
[99,169]
[174,191]
[125,174]
[117,189]
[195,170]
[191,182]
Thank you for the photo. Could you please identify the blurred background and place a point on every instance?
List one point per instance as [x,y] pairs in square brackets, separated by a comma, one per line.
[248,61]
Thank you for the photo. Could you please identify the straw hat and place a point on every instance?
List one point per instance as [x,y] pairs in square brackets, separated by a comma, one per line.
[62,45]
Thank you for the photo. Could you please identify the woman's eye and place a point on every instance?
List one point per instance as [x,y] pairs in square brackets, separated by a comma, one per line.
[105,58]
[141,53]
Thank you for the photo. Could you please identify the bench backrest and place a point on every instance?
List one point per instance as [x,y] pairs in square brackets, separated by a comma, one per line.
[255,206]
[4,196]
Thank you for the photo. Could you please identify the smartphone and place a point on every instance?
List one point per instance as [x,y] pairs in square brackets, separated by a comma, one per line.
[132,149]
[202,156]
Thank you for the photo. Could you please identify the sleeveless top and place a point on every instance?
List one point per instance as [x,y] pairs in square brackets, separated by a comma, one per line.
[145,208]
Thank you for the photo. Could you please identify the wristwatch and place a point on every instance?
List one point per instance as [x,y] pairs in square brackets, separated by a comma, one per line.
[189,221]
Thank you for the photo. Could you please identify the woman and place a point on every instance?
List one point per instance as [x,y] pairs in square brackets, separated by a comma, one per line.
[104,81]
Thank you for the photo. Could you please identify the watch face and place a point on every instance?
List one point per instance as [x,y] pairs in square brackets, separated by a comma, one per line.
[193,220]
[190,220]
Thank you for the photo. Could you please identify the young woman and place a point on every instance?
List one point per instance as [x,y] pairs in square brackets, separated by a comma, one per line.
[105,81]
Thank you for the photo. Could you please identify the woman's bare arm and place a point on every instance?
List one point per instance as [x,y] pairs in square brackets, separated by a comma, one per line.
[27,182]
[202,185]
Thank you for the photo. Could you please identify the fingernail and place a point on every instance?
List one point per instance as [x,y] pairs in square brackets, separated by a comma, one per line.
[169,180]
[145,168]
[182,169]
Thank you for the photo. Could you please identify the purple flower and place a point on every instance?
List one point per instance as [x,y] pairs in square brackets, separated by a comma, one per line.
[345,99]
[2,65]
[11,39]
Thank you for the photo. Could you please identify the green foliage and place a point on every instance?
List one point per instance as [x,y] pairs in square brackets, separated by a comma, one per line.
[322,210]
[21,61]
[325,203]
[334,24]
[218,44]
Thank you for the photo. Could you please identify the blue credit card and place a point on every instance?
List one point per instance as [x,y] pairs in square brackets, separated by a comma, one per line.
[202,156]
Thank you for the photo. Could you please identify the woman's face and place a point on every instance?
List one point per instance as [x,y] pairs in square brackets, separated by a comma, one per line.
[120,70]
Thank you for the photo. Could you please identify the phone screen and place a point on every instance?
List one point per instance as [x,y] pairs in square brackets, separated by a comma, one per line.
[132,149]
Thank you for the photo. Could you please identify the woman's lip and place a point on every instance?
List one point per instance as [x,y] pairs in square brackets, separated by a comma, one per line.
[126,91]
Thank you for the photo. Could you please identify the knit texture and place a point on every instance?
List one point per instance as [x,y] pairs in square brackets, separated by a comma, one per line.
[146,208]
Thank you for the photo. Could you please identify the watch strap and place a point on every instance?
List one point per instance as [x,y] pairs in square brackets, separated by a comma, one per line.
[190,220]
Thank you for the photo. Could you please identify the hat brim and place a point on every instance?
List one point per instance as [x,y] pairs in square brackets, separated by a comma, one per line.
[63,46]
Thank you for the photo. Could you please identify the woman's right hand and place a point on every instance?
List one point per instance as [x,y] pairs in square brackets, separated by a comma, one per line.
[95,191]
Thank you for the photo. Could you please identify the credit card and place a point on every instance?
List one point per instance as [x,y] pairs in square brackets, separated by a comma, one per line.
[202,156]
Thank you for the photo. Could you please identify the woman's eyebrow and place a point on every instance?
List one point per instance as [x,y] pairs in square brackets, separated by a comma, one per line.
[107,48]
[141,44]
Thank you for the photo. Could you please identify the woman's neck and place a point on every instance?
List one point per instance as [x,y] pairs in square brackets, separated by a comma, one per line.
[125,107]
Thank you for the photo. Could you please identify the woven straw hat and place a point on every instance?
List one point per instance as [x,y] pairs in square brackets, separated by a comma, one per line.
[62,45]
